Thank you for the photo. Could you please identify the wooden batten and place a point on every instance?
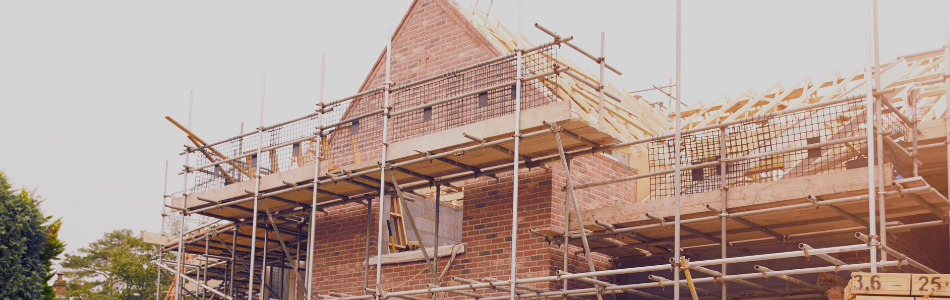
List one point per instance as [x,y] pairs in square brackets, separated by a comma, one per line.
[892,286]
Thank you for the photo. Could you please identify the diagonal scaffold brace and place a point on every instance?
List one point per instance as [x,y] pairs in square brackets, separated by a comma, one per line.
[556,130]
[412,224]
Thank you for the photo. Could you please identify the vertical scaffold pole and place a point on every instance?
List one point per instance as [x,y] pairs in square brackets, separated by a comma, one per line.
[369,227]
[382,160]
[165,197]
[435,245]
[869,104]
[297,261]
[233,260]
[264,288]
[677,176]
[600,88]
[161,250]
[205,275]
[517,157]
[257,193]
[567,233]
[912,97]
[879,121]
[184,213]
[724,190]
[946,77]
[311,234]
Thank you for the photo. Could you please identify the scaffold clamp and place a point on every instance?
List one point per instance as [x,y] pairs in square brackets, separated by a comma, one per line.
[814,201]
[900,189]
[674,263]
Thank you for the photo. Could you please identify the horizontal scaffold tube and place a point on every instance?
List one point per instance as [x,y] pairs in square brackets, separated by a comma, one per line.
[733,159]
[754,212]
[615,146]
[760,117]
[581,51]
[503,283]
[922,267]
[253,132]
[466,68]
[617,288]
[193,281]
[473,93]
[480,64]
[917,225]
[372,170]
[320,129]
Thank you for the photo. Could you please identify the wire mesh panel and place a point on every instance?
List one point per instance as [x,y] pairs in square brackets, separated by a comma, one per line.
[767,134]
[296,150]
[474,108]
[357,140]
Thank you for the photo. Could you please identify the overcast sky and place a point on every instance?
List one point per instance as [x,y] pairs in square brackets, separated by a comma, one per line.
[85,86]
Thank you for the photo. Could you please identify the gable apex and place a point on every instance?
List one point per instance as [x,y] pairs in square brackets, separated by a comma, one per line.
[433,37]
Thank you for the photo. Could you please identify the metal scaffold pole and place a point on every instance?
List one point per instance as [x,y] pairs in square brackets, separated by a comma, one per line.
[264,288]
[567,234]
[311,234]
[678,140]
[946,83]
[517,157]
[233,260]
[257,193]
[724,186]
[382,171]
[879,121]
[161,251]
[600,98]
[184,213]
[569,194]
[369,233]
[869,104]
[205,267]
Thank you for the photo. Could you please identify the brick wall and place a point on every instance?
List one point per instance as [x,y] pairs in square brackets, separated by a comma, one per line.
[486,229]
[431,40]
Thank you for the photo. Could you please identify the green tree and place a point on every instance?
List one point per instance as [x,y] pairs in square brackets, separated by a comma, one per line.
[117,266]
[30,244]
[51,250]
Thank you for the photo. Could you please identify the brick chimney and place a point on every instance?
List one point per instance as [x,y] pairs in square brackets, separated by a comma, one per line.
[60,286]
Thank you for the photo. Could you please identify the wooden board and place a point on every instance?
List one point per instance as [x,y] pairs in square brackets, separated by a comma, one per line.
[157,239]
[452,138]
[760,196]
[743,198]
[898,284]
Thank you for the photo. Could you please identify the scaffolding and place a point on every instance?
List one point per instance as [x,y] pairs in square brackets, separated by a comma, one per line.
[325,160]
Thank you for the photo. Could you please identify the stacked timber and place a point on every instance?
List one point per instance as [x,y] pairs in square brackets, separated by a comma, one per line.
[897,286]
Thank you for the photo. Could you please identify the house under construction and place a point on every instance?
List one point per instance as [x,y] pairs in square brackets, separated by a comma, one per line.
[472,165]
